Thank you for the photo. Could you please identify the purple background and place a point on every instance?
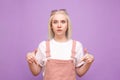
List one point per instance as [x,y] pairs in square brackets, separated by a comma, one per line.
[24,23]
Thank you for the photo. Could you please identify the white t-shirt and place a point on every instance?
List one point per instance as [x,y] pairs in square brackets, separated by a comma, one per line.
[59,50]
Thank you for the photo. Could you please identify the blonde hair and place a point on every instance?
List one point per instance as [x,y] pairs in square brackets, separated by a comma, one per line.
[50,31]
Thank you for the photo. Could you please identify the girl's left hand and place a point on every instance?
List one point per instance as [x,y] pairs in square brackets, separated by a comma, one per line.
[88,58]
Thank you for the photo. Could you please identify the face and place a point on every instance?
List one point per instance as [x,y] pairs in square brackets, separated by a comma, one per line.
[59,25]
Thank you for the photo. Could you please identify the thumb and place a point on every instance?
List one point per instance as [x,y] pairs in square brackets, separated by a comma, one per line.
[85,51]
[35,51]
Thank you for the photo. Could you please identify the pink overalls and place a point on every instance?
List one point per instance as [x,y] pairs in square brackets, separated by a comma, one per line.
[60,69]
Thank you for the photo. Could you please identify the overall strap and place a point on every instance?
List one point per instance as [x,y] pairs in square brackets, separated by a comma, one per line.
[47,48]
[73,49]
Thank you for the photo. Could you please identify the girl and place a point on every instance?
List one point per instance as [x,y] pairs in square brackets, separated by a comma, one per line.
[60,57]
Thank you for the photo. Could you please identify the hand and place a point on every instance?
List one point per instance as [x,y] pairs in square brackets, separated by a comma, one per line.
[88,58]
[31,57]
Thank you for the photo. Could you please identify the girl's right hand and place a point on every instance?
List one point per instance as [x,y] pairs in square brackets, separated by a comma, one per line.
[31,57]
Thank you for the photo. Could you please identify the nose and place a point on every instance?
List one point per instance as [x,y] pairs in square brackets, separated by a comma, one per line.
[59,25]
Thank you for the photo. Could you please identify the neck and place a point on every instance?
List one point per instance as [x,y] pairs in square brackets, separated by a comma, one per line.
[60,38]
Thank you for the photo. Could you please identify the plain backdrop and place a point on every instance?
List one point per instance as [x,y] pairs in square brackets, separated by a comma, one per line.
[24,24]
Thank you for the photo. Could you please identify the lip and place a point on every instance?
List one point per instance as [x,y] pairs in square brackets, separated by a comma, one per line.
[59,30]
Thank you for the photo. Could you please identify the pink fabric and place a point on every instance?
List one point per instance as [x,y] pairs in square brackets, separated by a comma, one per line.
[59,69]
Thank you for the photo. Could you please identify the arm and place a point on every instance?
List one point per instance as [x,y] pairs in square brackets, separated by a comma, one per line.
[34,67]
[83,69]
[88,59]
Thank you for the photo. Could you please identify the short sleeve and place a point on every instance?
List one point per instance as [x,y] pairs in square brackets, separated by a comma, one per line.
[79,54]
[40,53]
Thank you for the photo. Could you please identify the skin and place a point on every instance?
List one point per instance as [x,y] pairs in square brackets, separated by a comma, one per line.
[34,67]
[59,27]
[88,59]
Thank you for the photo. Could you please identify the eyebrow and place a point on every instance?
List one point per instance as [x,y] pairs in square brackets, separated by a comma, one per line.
[58,20]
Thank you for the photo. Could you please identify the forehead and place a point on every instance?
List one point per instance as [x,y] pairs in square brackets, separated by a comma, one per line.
[59,17]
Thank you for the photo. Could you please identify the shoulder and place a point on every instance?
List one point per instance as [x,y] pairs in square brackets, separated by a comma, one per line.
[79,46]
[78,43]
[42,44]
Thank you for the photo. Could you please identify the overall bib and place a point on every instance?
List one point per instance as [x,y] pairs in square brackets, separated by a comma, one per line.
[60,69]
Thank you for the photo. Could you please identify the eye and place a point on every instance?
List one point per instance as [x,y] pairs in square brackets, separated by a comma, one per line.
[63,21]
[55,21]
